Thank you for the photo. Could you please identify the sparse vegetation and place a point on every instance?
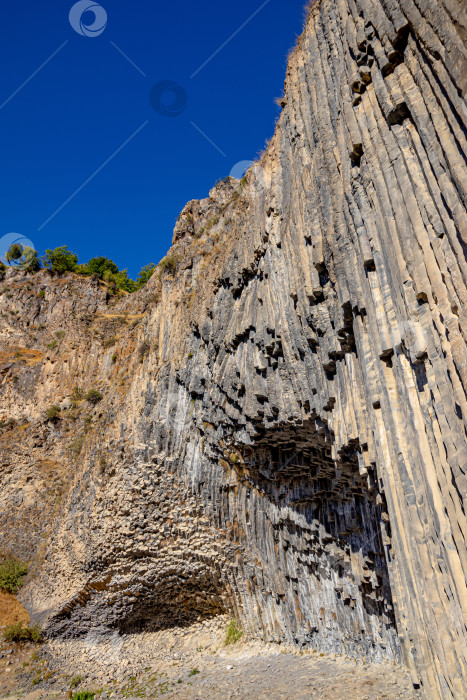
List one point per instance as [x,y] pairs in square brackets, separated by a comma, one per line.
[145,275]
[12,573]
[52,345]
[19,633]
[109,342]
[7,424]
[75,681]
[83,695]
[143,350]
[77,394]
[194,672]
[93,397]
[234,633]
[77,445]
[104,269]
[168,264]
[53,412]
[61,260]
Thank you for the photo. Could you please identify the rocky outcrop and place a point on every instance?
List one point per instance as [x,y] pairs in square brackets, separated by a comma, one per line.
[283,434]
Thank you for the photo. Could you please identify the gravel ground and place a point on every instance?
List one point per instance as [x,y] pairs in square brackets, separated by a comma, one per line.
[190,664]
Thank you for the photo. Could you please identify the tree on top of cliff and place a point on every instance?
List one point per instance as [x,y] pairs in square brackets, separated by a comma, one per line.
[14,252]
[60,260]
[24,257]
[100,266]
[145,275]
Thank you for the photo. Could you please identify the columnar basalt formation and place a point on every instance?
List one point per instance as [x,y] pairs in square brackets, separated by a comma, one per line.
[283,431]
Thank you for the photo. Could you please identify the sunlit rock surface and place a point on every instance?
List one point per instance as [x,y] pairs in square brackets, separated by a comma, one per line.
[282,434]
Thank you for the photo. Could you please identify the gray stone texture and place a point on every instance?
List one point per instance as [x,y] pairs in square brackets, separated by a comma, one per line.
[283,432]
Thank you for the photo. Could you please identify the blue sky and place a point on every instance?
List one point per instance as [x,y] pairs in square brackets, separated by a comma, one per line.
[88,158]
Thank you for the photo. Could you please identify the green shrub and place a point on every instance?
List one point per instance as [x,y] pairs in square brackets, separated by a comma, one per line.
[42,293]
[99,266]
[77,445]
[77,394]
[83,695]
[14,253]
[29,260]
[194,672]
[52,345]
[53,412]
[23,257]
[60,260]
[143,350]
[12,573]
[105,269]
[18,633]
[145,275]
[93,396]
[168,264]
[234,633]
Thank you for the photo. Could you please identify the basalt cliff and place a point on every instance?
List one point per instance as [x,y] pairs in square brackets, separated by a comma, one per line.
[282,429]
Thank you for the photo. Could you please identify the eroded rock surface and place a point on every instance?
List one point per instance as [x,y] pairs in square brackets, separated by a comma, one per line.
[282,433]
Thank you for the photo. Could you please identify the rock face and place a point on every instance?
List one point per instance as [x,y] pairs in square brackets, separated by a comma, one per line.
[282,434]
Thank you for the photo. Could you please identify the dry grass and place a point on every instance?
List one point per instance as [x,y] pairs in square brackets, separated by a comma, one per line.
[123,317]
[11,611]
[29,357]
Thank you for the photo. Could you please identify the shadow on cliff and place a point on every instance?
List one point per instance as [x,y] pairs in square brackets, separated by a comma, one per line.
[337,511]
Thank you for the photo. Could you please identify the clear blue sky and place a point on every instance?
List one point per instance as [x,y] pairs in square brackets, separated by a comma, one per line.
[88,101]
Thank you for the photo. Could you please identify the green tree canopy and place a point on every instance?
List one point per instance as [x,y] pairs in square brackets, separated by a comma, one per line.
[60,260]
[145,275]
[30,261]
[99,266]
[23,257]
[14,253]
